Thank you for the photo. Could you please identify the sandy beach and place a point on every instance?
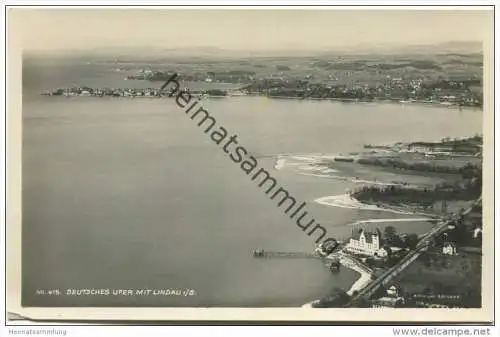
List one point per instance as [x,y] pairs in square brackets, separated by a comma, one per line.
[347,201]
[314,165]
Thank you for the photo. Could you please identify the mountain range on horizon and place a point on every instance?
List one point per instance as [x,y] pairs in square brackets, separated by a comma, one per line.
[457,47]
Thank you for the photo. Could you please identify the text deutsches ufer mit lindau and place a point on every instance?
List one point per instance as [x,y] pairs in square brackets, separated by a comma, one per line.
[123,292]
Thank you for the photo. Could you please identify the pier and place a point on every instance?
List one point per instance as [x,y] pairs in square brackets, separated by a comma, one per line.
[333,263]
[259,253]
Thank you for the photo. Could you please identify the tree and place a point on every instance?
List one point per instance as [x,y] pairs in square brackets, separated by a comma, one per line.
[411,241]
[390,236]
[337,298]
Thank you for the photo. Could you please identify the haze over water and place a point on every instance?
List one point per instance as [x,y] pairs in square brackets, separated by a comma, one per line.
[130,193]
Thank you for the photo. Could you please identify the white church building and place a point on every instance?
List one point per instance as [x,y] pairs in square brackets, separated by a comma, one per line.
[366,243]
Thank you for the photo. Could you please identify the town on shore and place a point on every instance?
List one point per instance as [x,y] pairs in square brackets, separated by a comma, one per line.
[438,269]
[443,93]
[85,91]
[448,79]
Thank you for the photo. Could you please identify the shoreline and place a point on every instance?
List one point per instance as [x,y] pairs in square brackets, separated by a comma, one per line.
[347,201]
[333,99]
[362,281]
[376,101]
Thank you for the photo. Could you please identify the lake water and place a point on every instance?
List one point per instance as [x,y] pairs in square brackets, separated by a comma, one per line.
[130,194]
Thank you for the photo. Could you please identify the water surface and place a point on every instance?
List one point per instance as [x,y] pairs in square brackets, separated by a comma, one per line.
[130,193]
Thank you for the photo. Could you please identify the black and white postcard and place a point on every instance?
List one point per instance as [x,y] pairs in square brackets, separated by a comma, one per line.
[250,164]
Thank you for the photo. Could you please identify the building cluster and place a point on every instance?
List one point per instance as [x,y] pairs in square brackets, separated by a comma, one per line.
[393,89]
[392,298]
[98,92]
[460,238]
[124,92]
[456,83]
[344,85]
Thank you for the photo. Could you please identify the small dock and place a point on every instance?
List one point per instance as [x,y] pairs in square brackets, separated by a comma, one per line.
[291,255]
[332,262]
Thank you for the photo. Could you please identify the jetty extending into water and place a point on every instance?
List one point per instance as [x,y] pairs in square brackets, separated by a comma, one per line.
[332,262]
[260,253]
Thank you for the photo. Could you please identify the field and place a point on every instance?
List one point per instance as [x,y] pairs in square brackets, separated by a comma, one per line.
[436,274]
[338,70]
[330,68]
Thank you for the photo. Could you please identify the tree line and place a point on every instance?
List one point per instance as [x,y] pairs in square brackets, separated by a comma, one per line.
[468,189]
[467,171]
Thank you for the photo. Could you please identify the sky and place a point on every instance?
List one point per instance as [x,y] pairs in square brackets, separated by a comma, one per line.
[250,29]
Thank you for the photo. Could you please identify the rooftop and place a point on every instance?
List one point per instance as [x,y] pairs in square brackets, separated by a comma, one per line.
[356,234]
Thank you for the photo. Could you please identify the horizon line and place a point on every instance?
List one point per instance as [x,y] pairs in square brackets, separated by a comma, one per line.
[359,46]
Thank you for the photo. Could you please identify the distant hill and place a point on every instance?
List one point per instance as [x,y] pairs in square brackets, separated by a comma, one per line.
[452,47]
[147,52]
